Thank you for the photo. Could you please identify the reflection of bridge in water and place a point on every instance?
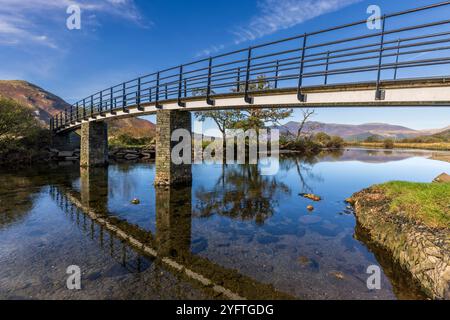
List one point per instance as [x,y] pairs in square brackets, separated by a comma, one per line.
[170,246]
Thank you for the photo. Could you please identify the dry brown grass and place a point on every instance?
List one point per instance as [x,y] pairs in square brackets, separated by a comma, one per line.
[444,146]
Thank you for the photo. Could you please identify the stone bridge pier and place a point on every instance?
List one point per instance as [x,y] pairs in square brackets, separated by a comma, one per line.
[94,146]
[167,172]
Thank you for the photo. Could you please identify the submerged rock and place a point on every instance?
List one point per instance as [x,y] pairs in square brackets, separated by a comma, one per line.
[442,178]
[338,275]
[311,196]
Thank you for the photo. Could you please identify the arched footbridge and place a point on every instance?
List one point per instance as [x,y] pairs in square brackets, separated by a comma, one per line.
[398,59]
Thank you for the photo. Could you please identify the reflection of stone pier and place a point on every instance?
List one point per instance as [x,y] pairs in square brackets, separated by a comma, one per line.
[94,188]
[173,221]
[170,246]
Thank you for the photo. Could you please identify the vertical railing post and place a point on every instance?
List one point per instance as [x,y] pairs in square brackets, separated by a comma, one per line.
[157,105]
[112,101]
[209,101]
[92,106]
[247,77]
[84,109]
[185,88]
[238,80]
[124,98]
[277,70]
[138,96]
[101,105]
[396,59]
[166,93]
[78,112]
[180,84]
[66,118]
[150,94]
[327,68]
[71,114]
[300,96]
[380,94]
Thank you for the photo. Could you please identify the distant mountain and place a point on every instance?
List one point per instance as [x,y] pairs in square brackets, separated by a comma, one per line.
[357,132]
[134,127]
[44,104]
[444,135]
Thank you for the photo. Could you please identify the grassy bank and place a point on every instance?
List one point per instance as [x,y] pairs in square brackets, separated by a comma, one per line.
[443,146]
[427,203]
[412,222]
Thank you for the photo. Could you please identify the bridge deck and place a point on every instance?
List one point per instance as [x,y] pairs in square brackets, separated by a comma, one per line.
[411,93]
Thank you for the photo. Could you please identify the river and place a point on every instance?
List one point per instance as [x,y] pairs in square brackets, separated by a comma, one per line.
[233,233]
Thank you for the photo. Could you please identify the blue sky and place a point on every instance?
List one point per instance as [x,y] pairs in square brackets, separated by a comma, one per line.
[122,39]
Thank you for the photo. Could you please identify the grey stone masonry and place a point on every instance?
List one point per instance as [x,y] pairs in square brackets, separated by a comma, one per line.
[94,144]
[168,173]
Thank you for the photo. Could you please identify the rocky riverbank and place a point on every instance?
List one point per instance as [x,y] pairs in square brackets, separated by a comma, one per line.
[46,155]
[419,246]
[130,154]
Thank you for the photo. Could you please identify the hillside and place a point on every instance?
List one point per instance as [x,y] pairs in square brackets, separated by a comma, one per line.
[134,127]
[358,132]
[44,104]
[444,135]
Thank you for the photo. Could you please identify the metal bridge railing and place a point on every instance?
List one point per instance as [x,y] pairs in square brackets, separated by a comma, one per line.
[415,42]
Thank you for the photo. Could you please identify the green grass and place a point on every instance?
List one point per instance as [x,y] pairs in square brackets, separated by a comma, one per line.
[428,203]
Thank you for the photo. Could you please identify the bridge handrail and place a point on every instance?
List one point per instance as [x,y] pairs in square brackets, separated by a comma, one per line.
[206,77]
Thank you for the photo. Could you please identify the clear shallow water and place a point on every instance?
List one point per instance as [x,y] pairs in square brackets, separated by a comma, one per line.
[247,233]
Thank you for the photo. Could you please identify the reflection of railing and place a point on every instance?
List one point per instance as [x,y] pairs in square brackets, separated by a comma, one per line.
[117,249]
[281,64]
[195,268]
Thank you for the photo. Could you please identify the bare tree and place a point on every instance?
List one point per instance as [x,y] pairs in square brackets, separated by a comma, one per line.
[307,114]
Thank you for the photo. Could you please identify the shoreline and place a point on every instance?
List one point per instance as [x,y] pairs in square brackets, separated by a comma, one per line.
[421,249]
[442,146]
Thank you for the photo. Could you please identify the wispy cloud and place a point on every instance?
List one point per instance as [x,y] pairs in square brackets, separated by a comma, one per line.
[29,22]
[210,51]
[276,15]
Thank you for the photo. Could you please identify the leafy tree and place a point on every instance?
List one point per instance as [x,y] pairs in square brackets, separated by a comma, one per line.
[389,144]
[17,124]
[373,138]
[255,118]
